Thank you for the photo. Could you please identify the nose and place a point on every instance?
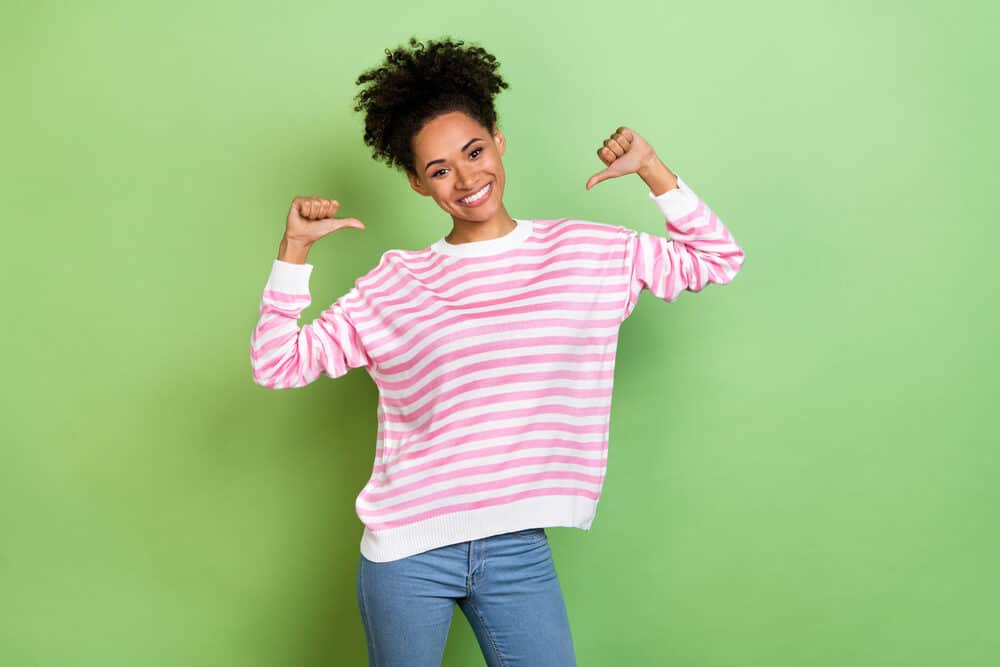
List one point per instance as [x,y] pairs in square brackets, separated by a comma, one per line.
[463,178]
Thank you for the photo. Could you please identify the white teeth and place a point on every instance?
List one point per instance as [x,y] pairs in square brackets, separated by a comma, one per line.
[477,196]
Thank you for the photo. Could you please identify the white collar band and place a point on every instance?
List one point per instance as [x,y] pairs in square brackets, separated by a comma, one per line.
[511,239]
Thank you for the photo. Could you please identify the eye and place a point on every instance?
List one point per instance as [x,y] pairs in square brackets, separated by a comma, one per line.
[475,151]
[435,174]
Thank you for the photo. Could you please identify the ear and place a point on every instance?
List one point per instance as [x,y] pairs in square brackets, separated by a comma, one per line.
[499,140]
[415,183]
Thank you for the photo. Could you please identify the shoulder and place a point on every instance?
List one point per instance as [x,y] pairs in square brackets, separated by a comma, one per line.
[572,229]
[397,257]
[394,263]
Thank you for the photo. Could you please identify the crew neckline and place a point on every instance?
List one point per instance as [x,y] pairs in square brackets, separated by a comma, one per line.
[511,239]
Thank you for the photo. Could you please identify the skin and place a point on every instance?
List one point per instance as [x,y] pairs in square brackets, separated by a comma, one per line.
[460,168]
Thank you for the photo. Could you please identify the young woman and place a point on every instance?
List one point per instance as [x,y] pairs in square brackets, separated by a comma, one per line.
[493,352]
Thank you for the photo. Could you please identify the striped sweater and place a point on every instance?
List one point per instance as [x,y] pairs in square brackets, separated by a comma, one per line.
[494,364]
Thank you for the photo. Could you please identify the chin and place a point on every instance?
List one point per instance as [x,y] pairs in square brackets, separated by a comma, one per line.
[477,216]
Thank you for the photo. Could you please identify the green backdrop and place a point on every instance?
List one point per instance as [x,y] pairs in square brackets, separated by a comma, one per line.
[803,465]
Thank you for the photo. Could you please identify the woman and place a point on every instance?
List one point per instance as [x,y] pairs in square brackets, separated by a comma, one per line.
[493,352]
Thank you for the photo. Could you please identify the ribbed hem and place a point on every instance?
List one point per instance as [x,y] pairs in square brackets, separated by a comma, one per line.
[676,203]
[540,512]
[510,240]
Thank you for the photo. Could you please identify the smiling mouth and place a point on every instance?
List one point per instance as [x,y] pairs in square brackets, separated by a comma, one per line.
[477,196]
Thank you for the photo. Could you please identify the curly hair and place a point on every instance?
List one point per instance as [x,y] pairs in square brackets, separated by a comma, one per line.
[413,86]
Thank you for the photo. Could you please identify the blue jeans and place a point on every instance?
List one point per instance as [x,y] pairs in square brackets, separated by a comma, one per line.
[506,585]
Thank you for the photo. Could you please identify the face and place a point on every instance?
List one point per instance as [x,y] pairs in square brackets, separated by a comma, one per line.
[456,157]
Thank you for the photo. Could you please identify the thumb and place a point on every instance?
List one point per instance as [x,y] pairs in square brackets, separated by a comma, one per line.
[349,222]
[330,225]
[598,177]
[339,223]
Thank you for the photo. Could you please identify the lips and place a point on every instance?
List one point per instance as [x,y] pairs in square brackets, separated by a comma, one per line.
[487,190]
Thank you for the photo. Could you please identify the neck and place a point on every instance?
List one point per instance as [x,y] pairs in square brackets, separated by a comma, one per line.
[465,231]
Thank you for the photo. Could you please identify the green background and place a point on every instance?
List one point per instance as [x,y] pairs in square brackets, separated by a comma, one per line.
[803,465]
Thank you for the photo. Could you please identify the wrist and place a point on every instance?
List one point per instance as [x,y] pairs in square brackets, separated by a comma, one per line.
[657,176]
[649,164]
[293,251]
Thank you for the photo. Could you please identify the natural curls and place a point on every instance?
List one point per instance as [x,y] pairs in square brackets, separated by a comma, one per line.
[414,85]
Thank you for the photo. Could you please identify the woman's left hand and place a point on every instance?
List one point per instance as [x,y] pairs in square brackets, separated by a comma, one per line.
[625,152]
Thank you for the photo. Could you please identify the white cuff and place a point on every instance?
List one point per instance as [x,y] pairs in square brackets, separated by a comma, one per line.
[288,277]
[676,203]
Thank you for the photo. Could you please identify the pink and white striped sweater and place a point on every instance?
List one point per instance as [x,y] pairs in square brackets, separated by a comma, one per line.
[494,364]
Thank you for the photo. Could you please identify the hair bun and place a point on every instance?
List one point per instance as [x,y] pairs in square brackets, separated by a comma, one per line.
[417,83]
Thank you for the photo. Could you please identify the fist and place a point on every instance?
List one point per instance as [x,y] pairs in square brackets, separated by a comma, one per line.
[624,152]
[311,218]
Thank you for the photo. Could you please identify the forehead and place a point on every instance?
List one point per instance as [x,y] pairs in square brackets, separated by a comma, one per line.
[447,132]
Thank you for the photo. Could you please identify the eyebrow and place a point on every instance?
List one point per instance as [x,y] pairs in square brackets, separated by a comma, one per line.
[467,144]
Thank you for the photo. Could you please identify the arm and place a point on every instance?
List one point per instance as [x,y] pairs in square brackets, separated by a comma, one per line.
[699,249]
[283,355]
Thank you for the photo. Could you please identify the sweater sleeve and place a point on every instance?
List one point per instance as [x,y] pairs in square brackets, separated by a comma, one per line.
[283,355]
[700,250]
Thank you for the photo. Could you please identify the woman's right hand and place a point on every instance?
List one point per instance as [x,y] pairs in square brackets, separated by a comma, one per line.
[311,218]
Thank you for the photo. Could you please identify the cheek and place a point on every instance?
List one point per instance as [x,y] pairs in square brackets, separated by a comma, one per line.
[442,195]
